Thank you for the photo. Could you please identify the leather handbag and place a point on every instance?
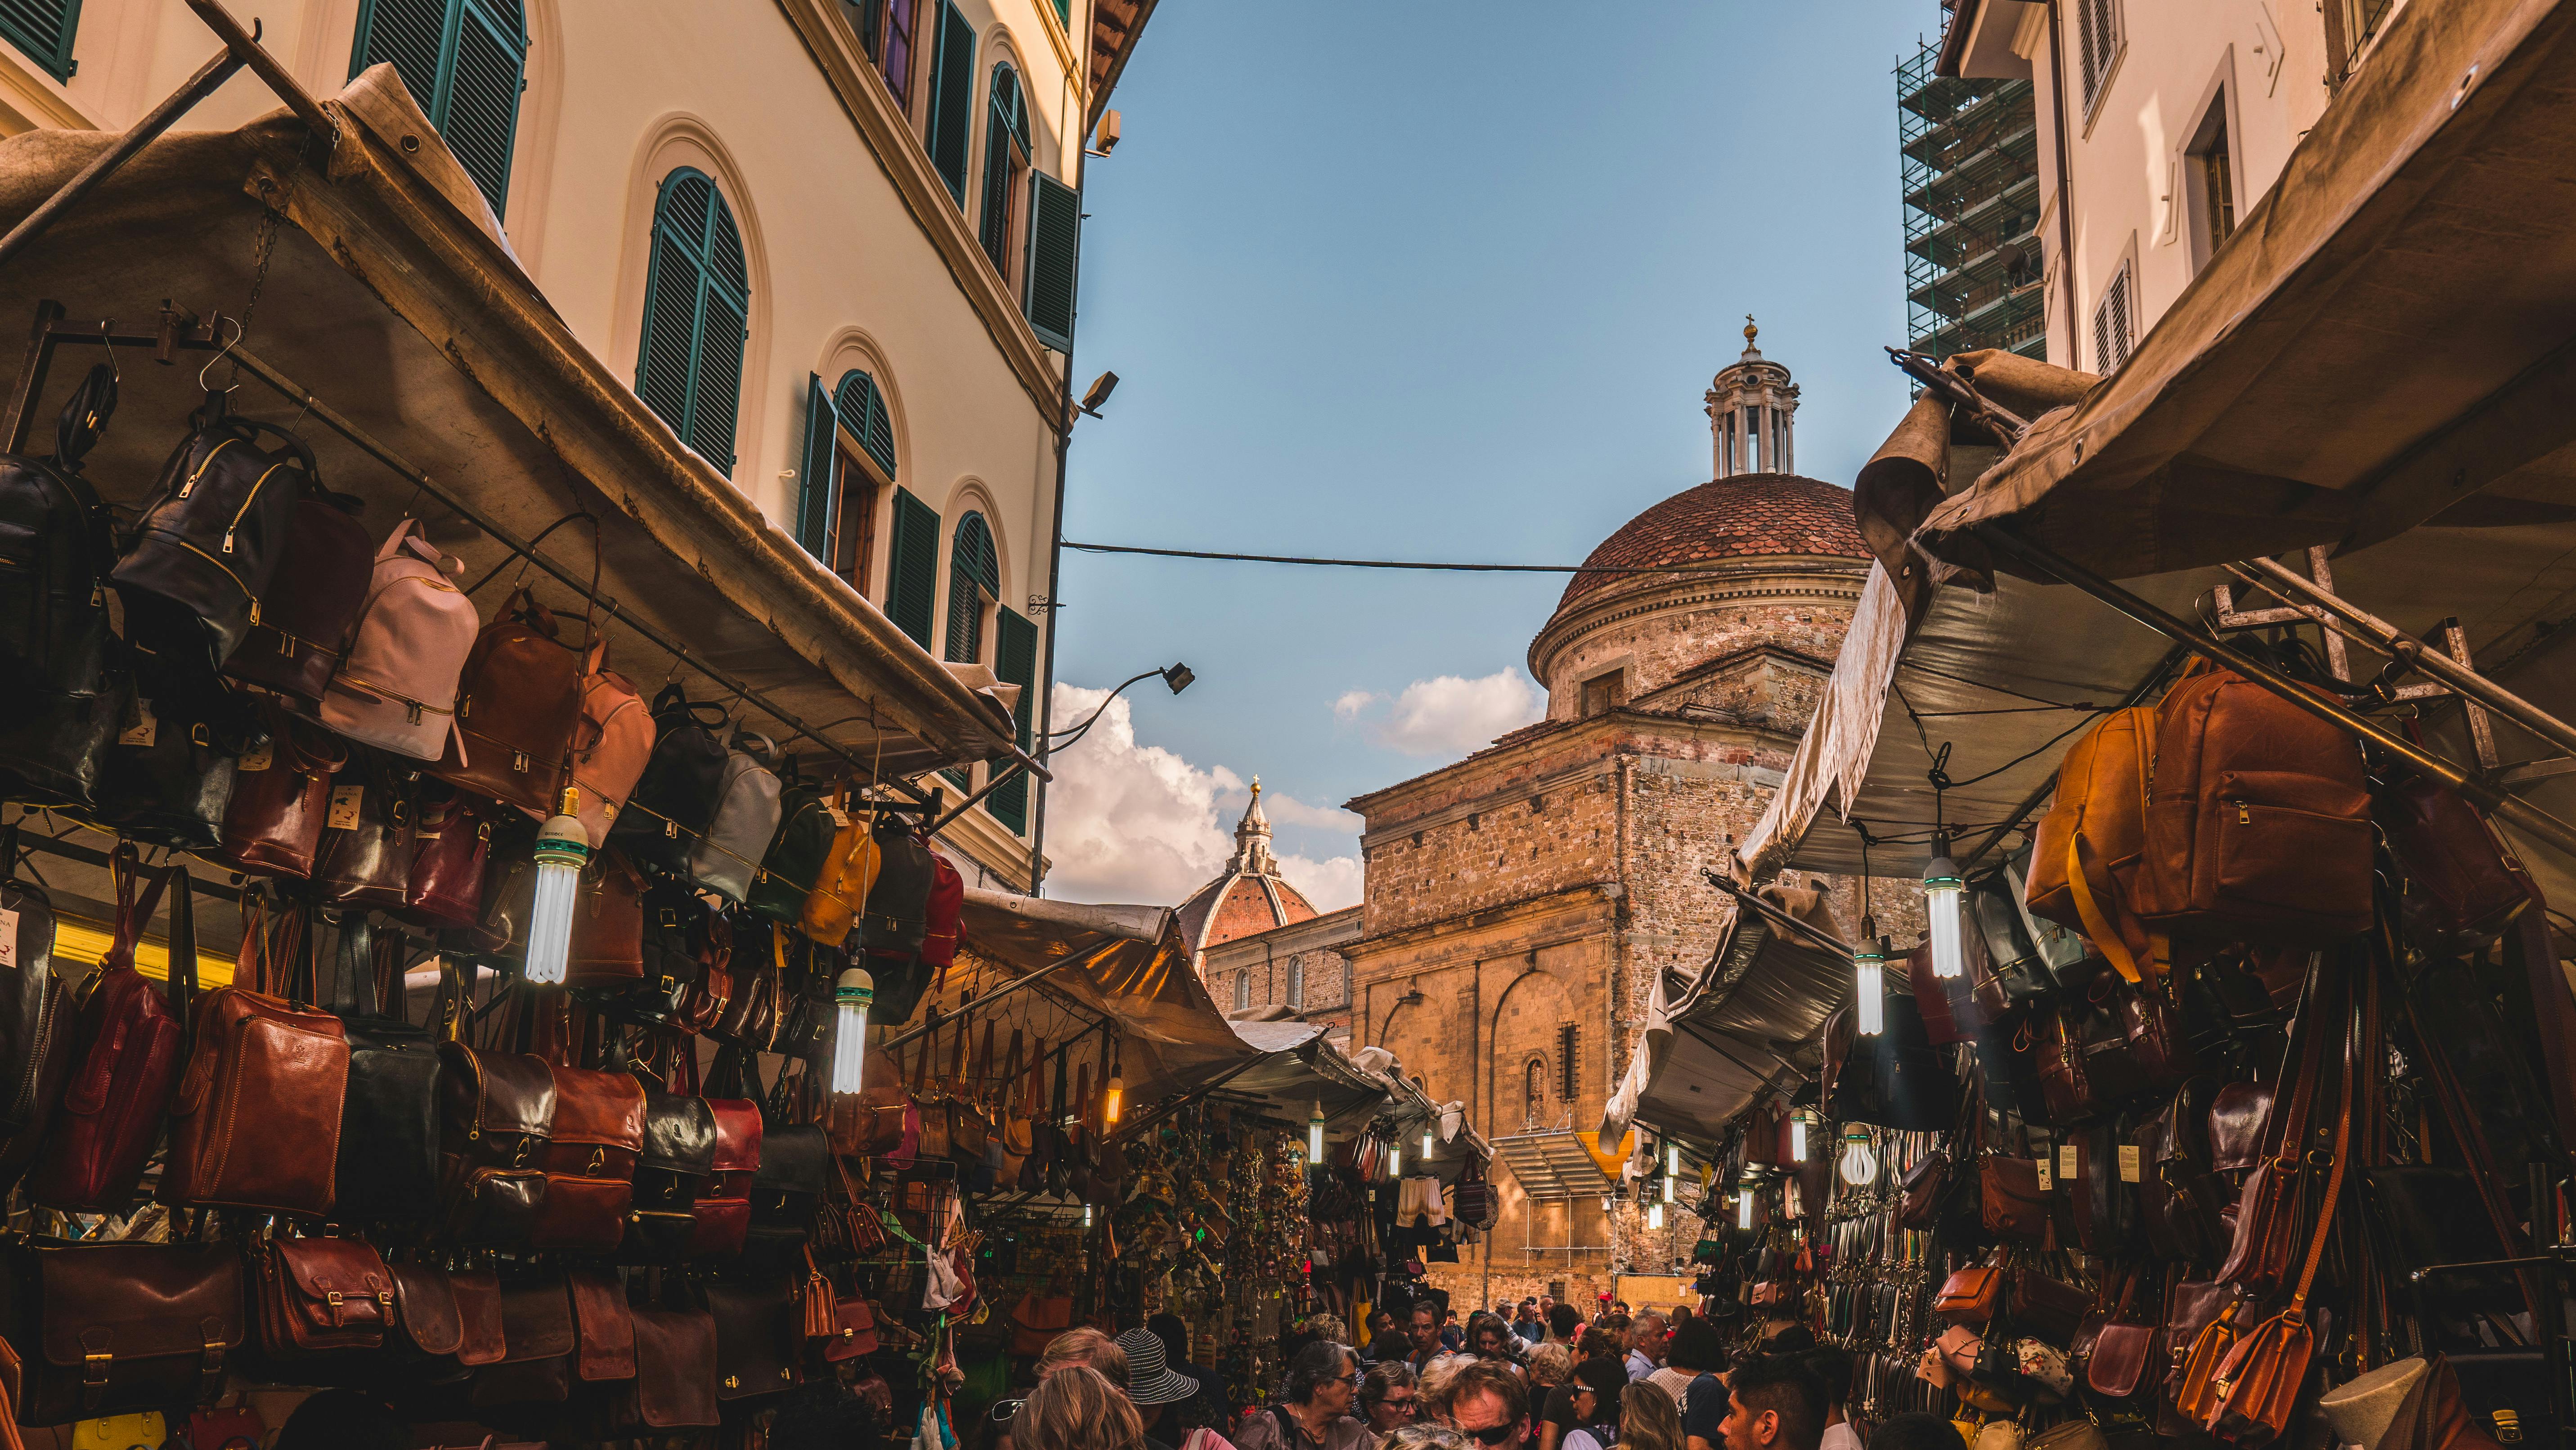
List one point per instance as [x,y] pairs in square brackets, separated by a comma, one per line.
[603,1328]
[758,1351]
[256,1121]
[168,775]
[607,947]
[123,1061]
[281,798]
[750,1018]
[898,910]
[675,798]
[318,1297]
[2049,1308]
[726,856]
[389,1157]
[32,1008]
[673,922]
[2462,878]
[1932,999]
[200,559]
[1971,1295]
[451,854]
[675,1371]
[677,1159]
[2180,1197]
[841,886]
[2012,973]
[723,1205]
[367,837]
[799,853]
[2239,1114]
[592,1144]
[2086,850]
[426,1325]
[395,690]
[110,1328]
[704,999]
[56,752]
[56,646]
[480,1338]
[610,747]
[538,1340]
[496,1112]
[854,1330]
[2016,1208]
[795,1162]
[517,710]
[302,625]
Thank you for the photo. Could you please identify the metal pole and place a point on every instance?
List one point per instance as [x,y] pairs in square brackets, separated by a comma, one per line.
[204,83]
[2390,640]
[999,776]
[245,47]
[939,1019]
[2048,561]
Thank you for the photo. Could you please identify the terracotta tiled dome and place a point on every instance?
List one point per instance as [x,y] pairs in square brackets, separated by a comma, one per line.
[1751,515]
[1250,895]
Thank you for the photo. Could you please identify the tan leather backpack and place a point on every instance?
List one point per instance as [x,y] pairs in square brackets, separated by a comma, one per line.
[2085,853]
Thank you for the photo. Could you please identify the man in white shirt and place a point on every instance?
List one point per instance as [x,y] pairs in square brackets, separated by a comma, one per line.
[1645,1345]
[1833,1369]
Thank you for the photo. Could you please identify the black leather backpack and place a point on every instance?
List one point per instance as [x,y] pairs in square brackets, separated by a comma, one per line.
[675,798]
[388,1169]
[206,549]
[59,661]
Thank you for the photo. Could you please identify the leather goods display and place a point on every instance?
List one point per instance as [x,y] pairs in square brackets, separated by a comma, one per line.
[2086,851]
[1895,1079]
[32,1008]
[317,1296]
[897,919]
[123,1059]
[538,1339]
[388,1169]
[589,1158]
[481,1338]
[256,1120]
[2012,973]
[676,796]
[396,688]
[727,853]
[167,776]
[281,797]
[367,837]
[841,885]
[677,1159]
[607,924]
[798,854]
[757,1347]
[2051,1309]
[603,1327]
[56,546]
[201,557]
[943,909]
[2016,1207]
[54,752]
[1970,1295]
[795,1159]
[675,1370]
[518,707]
[2238,1116]
[2180,1197]
[2463,877]
[451,854]
[314,597]
[2258,821]
[109,1328]
[722,1209]
[496,1111]
[610,747]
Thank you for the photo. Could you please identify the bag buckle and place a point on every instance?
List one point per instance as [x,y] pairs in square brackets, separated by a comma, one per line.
[94,1369]
[519,761]
[598,1161]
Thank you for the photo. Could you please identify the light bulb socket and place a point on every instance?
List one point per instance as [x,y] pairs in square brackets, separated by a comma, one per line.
[563,841]
[854,988]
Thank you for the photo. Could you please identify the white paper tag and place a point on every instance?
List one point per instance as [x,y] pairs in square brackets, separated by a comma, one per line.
[258,757]
[2047,1180]
[8,938]
[840,817]
[344,807]
[2132,1164]
[2068,1164]
[144,730]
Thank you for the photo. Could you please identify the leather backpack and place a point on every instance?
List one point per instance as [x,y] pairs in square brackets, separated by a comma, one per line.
[396,687]
[798,855]
[32,1006]
[898,914]
[607,948]
[388,1168]
[727,855]
[2086,850]
[124,1058]
[320,585]
[56,546]
[678,1157]
[281,797]
[368,838]
[199,563]
[109,1328]
[518,710]
[611,747]
[943,911]
[591,1147]
[451,853]
[795,1167]
[841,885]
[167,776]
[255,1123]
[495,1113]
[723,1205]
[2258,822]
[675,798]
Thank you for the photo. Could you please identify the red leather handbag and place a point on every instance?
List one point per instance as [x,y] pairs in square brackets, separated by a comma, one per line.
[589,1158]
[281,797]
[723,1207]
[946,908]
[256,1122]
[124,1058]
[320,1296]
[450,846]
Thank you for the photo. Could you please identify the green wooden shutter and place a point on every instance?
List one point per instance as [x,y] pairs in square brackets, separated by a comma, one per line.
[1006,126]
[464,62]
[1055,238]
[819,496]
[912,567]
[974,574]
[697,305]
[44,30]
[1064,12]
[863,412]
[952,99]
[1015,662]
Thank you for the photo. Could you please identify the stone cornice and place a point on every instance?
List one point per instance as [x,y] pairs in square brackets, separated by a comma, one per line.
[1818,577]
[1588,893]
[1578,733]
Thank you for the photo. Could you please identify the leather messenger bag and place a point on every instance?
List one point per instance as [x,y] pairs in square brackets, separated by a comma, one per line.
[319,1297]
[103,1329]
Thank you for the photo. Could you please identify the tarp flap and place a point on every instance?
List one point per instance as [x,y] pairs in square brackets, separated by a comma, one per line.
[405,312]
[1833,755]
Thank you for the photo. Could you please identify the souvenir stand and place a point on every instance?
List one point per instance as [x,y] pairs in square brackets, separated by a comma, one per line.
[485,913]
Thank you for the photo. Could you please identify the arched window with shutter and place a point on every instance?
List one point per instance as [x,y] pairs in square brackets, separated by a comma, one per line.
[1534,1094]
[697,309]
[1243,990]
[974,580]
[464,62]
[1297,984]
[1006,161]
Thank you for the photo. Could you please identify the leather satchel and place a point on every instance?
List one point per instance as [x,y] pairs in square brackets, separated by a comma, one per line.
[1037,1319]
[481,1337]
[427,1324]
[168,776]
[1971,1295]
[538,1338]
[256,1122]
[607,925]
[367,837]
[2463,881]
[388,1170]
[281,798]
[124,1058]
[495,1113]
[758,1351]
[109,1328]
[2048,1308]
[610,747]
[603,1328]
[451,849]
[302,625]
[723,1207]
[517,710]
[854,1330]
[2238,1115]
[675,1371]
[2179,1193]
[31,1012]
[320,1296]
[2016,1208]
[589,1158]
[678,1157]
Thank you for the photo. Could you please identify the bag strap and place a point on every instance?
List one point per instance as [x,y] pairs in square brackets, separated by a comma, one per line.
[1008,1090]
[354,992]
[183,948]
[2354,1045]
[982,1082]
[1032,1087]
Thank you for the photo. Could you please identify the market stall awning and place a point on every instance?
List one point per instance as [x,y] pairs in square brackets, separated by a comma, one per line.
[391,297]
[1748,1024]
[2385,338]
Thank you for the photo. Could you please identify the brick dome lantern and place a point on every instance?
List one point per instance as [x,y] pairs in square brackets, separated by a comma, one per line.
[1249,896]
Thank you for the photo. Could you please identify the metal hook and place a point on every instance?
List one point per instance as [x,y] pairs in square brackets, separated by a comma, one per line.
[107,339]
[219,357]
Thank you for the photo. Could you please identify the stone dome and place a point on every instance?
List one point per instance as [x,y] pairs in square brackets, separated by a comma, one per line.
[1250,895]
[1748,516]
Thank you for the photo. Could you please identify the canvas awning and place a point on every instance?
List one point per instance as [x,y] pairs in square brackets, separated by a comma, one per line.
[1750,1023]
[392,295]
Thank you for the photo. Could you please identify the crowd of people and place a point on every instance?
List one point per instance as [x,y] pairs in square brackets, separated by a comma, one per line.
[1535,1376]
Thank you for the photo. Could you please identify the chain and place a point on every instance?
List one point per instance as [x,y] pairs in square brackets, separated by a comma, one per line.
[263,251]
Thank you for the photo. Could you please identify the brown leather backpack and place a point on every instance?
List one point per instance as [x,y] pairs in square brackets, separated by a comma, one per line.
[495,1111]
[2084,858]
[517,710]
[281,797]
[256,1122]
[596,1136]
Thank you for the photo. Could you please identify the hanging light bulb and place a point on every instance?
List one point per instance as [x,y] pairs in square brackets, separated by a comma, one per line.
[1607,1203]
[851,994]
[1942,888]
[1315,1134]
[1869,980]
[1113,1098]
[563,848]
[1086,1215]
[1394,1160]
[1655,1217]
[1744,1209]
[1671,1190]
[1859,1166]
[1672,1160]
[1426,1145]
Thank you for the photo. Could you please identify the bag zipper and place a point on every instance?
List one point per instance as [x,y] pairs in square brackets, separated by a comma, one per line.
[190,486]
[228,572]
[239,514]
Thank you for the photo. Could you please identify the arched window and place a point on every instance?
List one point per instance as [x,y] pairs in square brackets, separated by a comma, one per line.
[863,413]
[1297,984]
[697,310]
[1243,990]
[1534,1093]
[1006,161]
[463,62]
[974,580]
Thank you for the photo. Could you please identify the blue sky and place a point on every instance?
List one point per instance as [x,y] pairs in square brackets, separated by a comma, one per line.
[1431,280]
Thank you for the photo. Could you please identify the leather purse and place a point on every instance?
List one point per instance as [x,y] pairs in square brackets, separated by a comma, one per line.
[758,1351]
[2238,1114]
[320,1297]
[123,1062]
[607,925]
[367,838]
[110,1328]
[2461,877]
[538,1340]
[451,851]
[2016,1208]
[32,1008]
[1971,1295]
[281,797]
[603,1328]
[678,1156]
[795,1161]
[675,1371]
[518,706]
[2048,1308]
[302,625]
[495,1113]
[255,1123]
[427,1325]
[2179,1195]
[168,775]
[589,1158]
[389,1168]
[722,1209]
[704,999]
[854,1330]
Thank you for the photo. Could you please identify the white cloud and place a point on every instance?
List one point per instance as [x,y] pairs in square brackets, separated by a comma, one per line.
[1280,806]
[1330,884]
[1352,702]
[1447,715]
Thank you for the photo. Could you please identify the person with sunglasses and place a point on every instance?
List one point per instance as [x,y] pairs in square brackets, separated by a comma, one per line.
[1388,1396]
[1313,1408]
[1489,1404]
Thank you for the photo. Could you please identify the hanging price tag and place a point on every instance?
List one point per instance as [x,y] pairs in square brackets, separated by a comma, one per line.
[2132,1164]
[345,800]
[2047,1179]
[8,938]
[840,817]
[2068,1165]
[144,730]
[258,757]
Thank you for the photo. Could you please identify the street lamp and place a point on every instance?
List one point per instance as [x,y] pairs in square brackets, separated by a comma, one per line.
[1175,675]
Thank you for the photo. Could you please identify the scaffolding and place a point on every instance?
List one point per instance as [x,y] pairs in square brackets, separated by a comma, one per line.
[1970,173]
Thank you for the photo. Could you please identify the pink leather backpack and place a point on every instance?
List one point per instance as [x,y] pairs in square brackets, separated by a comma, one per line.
[396,688]
[610,746]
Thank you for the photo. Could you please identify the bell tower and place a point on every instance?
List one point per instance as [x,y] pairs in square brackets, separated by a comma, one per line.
[1752,414]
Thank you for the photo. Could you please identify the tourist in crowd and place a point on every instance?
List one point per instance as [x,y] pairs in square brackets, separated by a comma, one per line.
[1548,1366]
[1388,1393]
[1425,1335]
[1077,1408]
[1488,1337]
[1208,1406]
[1384,1342]
[1313,1407]
[1600,1343]
[1451,1336]
[1590,1411]
[1433,1401]
[1527,1324]
[1775,1403]
[1833,1369]
[1489,1405]
[1085,1346]
[1152,1385]
[1645,1344]
[1692,1357]
[1564,1322]
[1786,1336]
[1649,1419]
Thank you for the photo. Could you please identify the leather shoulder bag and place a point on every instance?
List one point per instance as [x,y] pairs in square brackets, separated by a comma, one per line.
[722,1209]
[368,837]
[124,1058]
[757,1347]
[451,849]
[396,688]
[109,1328]
[319,1297]
[389,1169]
[495,1113]
[538,1337]
[589,1158]
[281,799]
[677,1159]
[675,1371]
[516,710]
[603,1327]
